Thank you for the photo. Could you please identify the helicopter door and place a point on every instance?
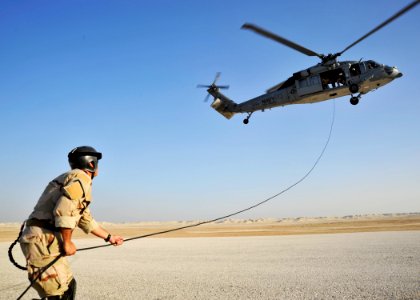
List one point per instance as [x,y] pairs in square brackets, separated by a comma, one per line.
[308,85]
[332,78]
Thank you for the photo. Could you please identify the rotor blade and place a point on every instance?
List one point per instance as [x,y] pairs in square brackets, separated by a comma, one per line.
[212,86]
[398,14]
[207,98]
[281,40]
[217,77]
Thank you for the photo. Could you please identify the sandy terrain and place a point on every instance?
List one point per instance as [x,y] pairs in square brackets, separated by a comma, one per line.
[361,257]
[365,265]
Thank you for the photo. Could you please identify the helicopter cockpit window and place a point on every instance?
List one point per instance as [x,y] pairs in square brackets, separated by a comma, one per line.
[372,64]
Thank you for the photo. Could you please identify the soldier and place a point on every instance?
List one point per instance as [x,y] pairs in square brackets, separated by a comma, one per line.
[48,231]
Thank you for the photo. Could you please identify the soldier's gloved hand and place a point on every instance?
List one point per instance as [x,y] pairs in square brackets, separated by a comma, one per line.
[69,248]
[116,240]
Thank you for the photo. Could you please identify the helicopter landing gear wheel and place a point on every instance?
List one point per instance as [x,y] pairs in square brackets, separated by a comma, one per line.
[354,100]
[246,120]
[354,88]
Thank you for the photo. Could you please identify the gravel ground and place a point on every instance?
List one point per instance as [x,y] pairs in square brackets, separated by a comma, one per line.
[378,265]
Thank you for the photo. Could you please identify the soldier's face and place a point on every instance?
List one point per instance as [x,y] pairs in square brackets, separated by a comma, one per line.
[96,171]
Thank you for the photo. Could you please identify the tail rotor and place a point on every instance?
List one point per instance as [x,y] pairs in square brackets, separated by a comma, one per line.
[213,87]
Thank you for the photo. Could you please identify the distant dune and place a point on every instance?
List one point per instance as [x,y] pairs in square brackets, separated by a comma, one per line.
[254,227]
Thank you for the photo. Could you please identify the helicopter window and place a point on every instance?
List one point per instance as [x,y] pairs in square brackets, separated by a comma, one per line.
[372,64]
[355,69]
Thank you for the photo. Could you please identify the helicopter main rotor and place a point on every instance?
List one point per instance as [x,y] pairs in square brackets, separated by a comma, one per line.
[330,57]
[281,40]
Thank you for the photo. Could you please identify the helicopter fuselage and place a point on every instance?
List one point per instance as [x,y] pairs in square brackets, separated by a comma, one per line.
[315,84]
[321,83]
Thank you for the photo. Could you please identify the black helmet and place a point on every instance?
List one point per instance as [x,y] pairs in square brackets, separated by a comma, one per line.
[84,158]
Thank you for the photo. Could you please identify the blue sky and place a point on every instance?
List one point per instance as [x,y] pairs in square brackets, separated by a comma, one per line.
[121,76]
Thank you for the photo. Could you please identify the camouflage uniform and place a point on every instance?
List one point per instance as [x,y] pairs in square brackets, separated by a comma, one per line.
[64,203]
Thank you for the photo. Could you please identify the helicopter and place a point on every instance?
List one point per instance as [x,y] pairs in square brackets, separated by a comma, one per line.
[327,80]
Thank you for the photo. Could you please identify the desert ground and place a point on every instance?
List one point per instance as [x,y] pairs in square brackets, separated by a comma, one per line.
[354,257]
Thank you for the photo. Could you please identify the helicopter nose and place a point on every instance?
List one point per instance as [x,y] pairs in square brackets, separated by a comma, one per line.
[396,73]
[393,72]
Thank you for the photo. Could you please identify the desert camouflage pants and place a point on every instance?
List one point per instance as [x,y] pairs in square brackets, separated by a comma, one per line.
[40,246]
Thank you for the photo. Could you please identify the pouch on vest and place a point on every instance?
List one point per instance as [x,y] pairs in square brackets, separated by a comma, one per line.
[74,190]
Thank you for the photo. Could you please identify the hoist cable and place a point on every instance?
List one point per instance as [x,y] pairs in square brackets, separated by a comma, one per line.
[203,222]
[242,210]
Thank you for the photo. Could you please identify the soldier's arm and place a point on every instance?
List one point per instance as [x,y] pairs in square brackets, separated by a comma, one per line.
[86,222]
[89,225]
[66,214]
[68,246]
[66,223]
[100,232]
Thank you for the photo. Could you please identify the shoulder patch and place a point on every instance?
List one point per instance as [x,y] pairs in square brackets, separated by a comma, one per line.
[74,190]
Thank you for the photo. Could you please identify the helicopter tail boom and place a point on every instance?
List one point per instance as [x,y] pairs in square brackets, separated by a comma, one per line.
[224,106]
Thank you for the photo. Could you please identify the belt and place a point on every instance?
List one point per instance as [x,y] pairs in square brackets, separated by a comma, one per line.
[46,224]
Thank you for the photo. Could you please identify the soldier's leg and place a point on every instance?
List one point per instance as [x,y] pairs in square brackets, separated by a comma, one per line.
[40,247]
[70,294]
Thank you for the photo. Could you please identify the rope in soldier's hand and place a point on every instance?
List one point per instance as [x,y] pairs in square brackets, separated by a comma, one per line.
[203,222]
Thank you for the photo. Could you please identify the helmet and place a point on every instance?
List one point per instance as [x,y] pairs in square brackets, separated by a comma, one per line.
[84,158]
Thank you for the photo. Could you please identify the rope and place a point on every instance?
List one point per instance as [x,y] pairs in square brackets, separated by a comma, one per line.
[203,222]
[242,210]
[10,251]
